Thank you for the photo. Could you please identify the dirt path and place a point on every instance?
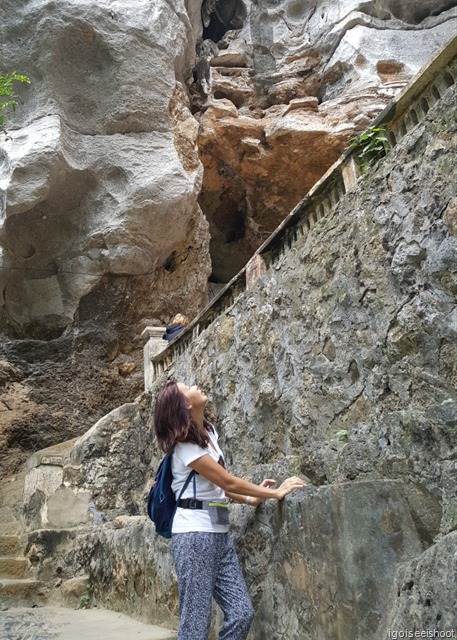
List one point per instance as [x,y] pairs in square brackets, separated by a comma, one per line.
[56,623]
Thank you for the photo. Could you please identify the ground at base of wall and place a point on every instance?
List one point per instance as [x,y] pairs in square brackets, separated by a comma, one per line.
[58,623]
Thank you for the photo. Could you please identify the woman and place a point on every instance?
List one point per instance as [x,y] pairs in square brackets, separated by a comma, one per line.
[178,323]
[205,560]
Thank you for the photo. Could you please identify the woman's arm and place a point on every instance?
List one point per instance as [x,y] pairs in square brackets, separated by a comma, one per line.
[215,473]
[251,501]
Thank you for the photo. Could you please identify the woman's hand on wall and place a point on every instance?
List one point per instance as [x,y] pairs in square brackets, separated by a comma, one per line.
[288,486]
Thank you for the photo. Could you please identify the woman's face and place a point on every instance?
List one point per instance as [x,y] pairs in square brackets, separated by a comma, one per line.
[194,396]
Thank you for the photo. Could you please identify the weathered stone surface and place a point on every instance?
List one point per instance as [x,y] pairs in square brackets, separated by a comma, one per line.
[73,589]
[350,58]
[331,555]
[52,555]
[331,367]
[13,568]
[101,232]
[95,174]
[130,567]
[323,548]
[41,403]
[22,593]
[105,454]
[419,600]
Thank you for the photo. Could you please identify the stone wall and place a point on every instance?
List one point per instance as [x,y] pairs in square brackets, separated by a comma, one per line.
[121,192]
[339,364]
[278,98]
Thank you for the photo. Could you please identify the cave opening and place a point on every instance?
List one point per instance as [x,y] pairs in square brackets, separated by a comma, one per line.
[220,16]
[227,218]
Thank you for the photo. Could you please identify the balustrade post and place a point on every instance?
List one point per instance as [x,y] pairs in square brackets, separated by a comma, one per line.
[153,345]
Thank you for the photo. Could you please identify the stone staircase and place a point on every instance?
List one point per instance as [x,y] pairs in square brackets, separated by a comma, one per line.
[17,586]
[20,592]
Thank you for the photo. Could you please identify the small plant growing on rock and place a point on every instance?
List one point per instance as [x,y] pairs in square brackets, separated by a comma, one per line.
[7,95]
[342,435]
[85,600]
[369,147]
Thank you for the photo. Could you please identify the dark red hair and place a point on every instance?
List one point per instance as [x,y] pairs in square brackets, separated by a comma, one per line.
[173,420]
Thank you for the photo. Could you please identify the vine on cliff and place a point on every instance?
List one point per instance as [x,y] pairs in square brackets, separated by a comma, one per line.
[7,96]
[369,147]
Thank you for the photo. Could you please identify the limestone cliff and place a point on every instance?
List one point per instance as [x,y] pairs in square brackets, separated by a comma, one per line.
[153,149]
[278,98]
[101,231]
[337,363]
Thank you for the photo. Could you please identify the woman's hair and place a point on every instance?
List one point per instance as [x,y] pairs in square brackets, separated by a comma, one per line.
[173,420]
[180,318]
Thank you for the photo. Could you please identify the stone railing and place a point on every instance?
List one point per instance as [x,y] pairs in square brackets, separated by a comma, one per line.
[398,118]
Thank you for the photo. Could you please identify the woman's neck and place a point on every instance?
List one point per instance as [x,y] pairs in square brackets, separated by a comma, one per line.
[199,418]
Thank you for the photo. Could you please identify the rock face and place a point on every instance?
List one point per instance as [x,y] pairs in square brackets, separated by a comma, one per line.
[338,365]
[122,139]
[280,97]
[100,179]
[101,232]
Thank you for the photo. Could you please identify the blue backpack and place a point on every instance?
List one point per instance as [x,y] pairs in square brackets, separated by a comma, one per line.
[161,500]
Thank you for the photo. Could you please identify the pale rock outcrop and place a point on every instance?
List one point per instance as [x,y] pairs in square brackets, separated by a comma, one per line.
[101,232]
[98,176]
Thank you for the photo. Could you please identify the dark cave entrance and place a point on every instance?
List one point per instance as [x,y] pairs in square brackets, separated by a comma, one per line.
[220,16]
[227,216]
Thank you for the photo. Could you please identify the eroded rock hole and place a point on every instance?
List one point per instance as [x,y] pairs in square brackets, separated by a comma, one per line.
[221,95]
[170,263]
[227,226]
[220,16]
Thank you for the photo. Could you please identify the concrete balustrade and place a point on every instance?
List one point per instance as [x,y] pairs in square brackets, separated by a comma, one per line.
[398,118]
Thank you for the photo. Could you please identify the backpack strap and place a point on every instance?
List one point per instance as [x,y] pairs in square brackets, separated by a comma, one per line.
[185,485]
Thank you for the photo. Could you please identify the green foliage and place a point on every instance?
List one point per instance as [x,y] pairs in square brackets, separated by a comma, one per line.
[342,435]
[85,600]
[7,95]
[369,147]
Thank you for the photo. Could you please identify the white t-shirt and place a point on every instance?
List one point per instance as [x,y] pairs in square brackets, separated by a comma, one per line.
[187,520]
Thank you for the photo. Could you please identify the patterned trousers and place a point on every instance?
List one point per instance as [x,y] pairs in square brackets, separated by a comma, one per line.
[207,566]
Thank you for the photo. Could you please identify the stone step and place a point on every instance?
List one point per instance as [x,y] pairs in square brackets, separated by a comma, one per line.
[9,545]
[22,593]
[13,568]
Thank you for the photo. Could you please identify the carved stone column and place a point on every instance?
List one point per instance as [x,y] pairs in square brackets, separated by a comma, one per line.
[153,345]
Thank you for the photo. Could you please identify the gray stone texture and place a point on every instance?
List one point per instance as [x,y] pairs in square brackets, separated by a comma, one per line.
[297,76]
[111,156]
[93,178]
[425,590]
[338,365]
